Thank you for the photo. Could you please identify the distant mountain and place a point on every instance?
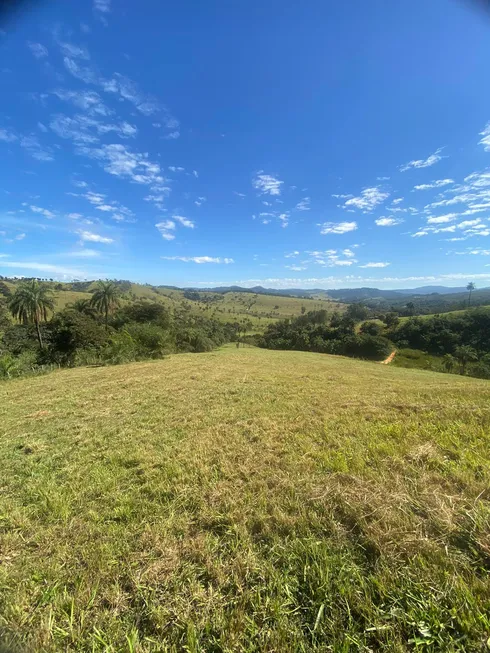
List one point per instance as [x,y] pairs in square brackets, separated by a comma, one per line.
[346,294]
[430,290]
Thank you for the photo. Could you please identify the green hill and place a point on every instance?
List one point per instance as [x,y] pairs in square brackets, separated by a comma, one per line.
[245,500]
[243,307]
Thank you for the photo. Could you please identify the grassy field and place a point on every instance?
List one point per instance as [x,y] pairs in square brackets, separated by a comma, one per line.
[245,500]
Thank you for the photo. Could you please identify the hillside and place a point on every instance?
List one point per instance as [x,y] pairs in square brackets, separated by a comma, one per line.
[242,307]
[245,500]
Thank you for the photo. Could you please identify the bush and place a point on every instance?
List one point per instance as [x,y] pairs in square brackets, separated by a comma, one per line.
[151,340]
[369,347]
[371,329]
[70,331]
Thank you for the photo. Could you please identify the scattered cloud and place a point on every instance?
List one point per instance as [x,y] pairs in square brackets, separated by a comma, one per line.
[292,254]
[45,212]
[38,50]
[337,227]
[7,135]
[267,184]
[303,205]
[165,228]
[441,219]
[423,163]
[485,141]
[375,265]
[240,195]
[388,221]
[89,236]
[439,183]
[185,222]
[367,200]
[296,268]
[83,253]
[43,267]
[198,259]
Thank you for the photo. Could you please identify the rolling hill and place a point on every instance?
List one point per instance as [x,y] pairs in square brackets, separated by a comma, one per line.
[259,310]
[244,500]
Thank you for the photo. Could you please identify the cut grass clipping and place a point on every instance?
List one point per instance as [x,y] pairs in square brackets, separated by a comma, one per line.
[245,500]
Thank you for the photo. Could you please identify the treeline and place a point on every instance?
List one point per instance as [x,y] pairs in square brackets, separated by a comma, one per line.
[101,330]
[462,340]
[459,344]
[320,332]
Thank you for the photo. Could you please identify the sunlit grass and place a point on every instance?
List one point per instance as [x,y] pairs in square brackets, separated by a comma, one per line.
[245,500]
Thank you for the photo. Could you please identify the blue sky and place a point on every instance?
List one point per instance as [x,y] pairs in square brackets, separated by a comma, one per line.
[313,144]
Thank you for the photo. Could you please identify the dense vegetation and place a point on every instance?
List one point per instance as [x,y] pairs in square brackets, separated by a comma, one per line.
[319,332]
[101,329]
[245,500]
[458,343]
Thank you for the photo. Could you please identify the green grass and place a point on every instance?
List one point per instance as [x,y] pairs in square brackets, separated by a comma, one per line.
[245,500]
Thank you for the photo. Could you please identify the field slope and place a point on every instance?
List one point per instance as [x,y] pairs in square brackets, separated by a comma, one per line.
[245,500]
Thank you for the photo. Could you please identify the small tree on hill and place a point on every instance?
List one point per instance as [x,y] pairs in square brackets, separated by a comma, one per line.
[464,355]
[448,363]
[30,304]
[470,287]
[106,298]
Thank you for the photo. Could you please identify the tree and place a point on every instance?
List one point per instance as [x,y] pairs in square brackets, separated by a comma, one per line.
[464,355]
[411,308]
[357,312]
[371,329]
[83,306]
[30,304]
[448,362]
[470,287]
[391,320]
[105,298]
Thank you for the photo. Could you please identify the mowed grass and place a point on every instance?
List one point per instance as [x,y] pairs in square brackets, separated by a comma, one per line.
[245,500]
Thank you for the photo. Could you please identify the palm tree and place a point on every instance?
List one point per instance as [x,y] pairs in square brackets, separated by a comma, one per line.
[471,287]
[464,354]
[30,304]
[83,306]
[105,298]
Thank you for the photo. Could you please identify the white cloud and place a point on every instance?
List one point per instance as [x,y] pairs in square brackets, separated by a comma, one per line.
[88,236]
[185,222]
[240,195]
[119,161]
[375,265]
[423,163]
[198,259]
[42,267]
[388,222]
[291,254]
[397,200]
[34,149]
[439,183]
[165,228]
[304,204]
[368,199]
[449,217]
[83,253]
[267,184]
[337,227]
[284,217]
[296,268]
[38,50]
[7,135]
[89,101]
[72,50]
[485,141]
[45,212]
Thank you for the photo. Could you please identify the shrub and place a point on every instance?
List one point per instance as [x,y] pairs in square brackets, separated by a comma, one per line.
[151,340]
